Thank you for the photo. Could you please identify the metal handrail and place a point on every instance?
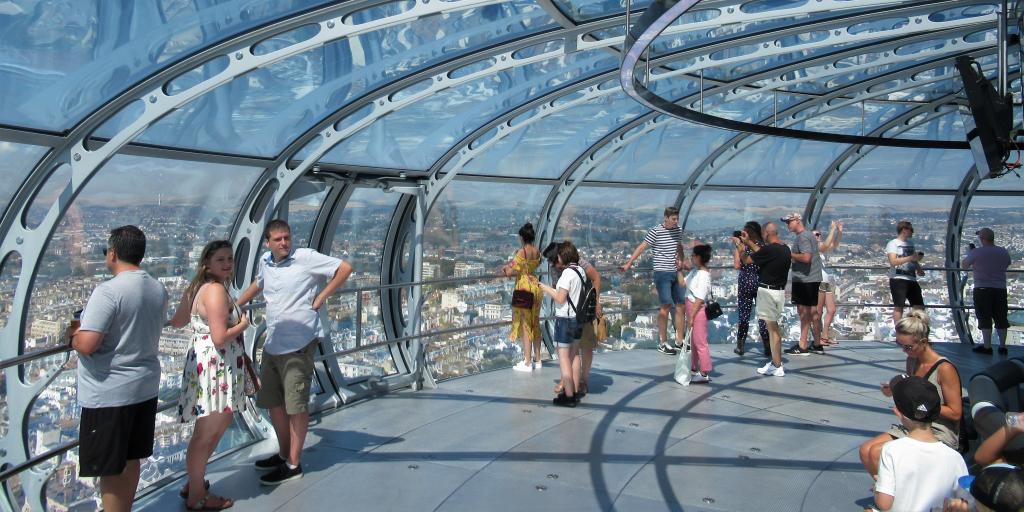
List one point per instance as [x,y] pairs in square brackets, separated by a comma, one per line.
[55,452]
[32,356]
[28,357]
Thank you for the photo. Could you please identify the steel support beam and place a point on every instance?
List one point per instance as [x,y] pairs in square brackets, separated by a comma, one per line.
[956,282]
[660,16]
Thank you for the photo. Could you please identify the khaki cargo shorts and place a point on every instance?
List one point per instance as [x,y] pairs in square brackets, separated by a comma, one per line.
[285,380]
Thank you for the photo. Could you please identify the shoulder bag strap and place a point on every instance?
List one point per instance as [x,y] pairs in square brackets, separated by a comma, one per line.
[568,295]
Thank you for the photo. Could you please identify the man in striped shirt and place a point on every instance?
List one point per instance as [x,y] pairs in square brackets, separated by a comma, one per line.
[667,241]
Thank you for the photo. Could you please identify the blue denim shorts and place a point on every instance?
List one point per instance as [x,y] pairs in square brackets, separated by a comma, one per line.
[669,291]
[566,333]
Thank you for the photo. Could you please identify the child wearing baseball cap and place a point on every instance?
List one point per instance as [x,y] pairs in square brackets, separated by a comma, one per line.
[916,472]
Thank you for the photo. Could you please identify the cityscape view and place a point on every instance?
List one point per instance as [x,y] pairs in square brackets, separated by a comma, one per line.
[470,235]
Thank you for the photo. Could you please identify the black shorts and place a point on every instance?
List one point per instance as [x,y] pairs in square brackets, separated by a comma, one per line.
[805,294]
[111,436]
[990,304]
[905,290]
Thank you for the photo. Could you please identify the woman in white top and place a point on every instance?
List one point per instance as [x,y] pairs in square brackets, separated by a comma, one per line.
[827,290]
[567,332]
[698,287]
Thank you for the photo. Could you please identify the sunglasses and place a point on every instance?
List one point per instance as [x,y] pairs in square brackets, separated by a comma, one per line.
[907,348]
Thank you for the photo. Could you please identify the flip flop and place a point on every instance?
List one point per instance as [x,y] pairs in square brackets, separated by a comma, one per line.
[225,503]
[184,492]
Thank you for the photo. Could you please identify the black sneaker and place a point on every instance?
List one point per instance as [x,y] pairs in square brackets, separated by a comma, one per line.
[667,350]
[270,463]
[982,349]
[795,350]
[282,474]
[1003,351]
[564,401]
[818,349]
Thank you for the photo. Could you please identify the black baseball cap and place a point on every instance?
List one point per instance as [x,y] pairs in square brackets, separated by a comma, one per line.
[916,398]
[999,487]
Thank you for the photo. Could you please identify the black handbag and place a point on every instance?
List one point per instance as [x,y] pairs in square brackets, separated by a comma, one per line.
[712,309]
[522,299]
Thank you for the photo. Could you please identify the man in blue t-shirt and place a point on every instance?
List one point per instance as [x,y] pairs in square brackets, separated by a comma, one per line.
[666,239]
[290,280]
[119,370]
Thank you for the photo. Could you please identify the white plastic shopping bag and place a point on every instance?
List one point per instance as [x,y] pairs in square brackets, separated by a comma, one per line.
[683,374]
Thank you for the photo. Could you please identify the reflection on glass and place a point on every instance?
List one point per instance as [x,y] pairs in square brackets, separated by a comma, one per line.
[16,161]
[180,206]
[83,53]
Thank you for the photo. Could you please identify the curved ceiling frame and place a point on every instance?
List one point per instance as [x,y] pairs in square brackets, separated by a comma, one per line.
[465,151]
[715,161]
[654,21]
[840,165]
[30,244]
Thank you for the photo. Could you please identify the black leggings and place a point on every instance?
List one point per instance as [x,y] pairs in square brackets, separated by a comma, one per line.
[747,292]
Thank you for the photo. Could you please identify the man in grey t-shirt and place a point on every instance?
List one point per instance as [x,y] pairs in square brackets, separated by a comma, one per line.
[119,370]
[806,277]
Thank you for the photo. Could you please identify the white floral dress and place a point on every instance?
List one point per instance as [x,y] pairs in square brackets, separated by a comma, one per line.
[213,379]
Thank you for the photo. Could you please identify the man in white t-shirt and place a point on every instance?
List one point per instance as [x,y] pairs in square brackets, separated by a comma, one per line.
[917,472]
[904,267]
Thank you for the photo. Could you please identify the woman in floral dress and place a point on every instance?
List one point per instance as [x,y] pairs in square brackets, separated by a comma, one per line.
[213,383]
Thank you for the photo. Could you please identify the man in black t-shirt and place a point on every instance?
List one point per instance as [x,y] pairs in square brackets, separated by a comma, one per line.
[773,261]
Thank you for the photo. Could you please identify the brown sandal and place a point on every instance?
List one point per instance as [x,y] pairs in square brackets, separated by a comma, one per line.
[203,504]
[559,388]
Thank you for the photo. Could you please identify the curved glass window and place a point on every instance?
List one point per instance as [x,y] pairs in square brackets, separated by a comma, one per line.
[869,222]
[606,224]
[84,53]
[356,316]
[655,157]
[304,203]
[16,162]
[180,206]
[414,137]
[545,148]
[262,111]
[942,169]
[799,163]
[470,233]
[1003,215]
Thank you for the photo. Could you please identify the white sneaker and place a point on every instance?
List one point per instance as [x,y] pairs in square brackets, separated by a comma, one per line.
[537,365]
[778,372]
[523,366]
[699,377]
[766,369]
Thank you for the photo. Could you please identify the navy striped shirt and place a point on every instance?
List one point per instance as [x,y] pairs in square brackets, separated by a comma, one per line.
[664,242]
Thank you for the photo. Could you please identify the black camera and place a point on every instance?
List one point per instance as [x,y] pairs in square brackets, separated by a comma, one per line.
[971,246]
[550,253]
[921,254]
[737,234]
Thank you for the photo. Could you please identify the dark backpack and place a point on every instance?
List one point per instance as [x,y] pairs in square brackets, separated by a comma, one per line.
[587,311]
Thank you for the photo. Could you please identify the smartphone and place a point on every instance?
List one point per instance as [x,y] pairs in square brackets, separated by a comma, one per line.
[737,234]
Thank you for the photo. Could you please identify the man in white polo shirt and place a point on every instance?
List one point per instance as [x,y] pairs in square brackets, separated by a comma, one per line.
[289,280]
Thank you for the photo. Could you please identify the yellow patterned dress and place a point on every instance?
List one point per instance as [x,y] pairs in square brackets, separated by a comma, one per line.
[528,319]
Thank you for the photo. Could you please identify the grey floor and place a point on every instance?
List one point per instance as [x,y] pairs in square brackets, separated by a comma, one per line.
[638,442]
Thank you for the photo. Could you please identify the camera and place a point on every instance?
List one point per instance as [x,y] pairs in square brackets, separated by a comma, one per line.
[971,246]
[550,253]
[921,254]
[737,234]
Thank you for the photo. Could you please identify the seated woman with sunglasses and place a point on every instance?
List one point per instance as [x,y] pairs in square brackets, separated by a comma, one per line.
[922,360]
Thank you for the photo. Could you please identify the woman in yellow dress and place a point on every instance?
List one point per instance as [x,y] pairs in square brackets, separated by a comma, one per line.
[526,321]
